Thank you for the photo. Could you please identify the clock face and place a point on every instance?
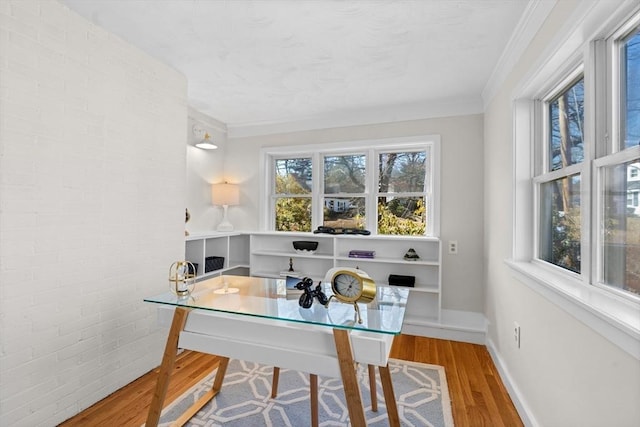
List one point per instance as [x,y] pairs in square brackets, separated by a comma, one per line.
[348,286]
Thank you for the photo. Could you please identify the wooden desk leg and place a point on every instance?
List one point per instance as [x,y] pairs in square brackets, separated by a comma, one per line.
[389,396]
[205,398]
[222,370]
[349,378]
[168,361]
[274,382]
[313,391]
[372,386]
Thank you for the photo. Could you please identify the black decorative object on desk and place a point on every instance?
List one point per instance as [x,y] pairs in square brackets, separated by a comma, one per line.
[306,299]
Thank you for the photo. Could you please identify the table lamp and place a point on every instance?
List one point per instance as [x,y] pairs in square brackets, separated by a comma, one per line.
[225,195]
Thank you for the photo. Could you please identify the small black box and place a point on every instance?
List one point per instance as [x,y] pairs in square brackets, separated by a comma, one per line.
[212,263]
[399,280]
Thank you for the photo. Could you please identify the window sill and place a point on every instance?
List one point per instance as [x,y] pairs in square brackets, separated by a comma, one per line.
[613,317]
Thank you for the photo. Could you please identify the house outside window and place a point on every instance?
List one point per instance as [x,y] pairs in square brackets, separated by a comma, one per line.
[385,186]
[576,175]
[565,164]
[345,191]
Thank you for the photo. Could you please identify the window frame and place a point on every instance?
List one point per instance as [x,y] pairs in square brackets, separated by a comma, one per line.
[371,148]
[543,173]
[610,313]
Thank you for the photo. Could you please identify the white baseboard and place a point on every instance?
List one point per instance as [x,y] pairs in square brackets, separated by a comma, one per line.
[519,402]
[452,325]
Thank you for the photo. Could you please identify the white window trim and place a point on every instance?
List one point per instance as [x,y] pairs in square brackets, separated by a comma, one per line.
[614,317]
[370,147]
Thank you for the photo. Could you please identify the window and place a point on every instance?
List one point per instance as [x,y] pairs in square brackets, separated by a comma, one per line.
[344,191]
[559,216]
[401,192]
[577,174]
[564,160]
[386,187]
[629,47]
[618,225]
[292,193]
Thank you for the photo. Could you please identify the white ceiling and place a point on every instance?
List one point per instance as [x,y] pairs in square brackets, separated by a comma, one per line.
[252,62]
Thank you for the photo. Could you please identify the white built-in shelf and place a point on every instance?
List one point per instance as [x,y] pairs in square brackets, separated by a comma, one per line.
[232,246]
[267,254]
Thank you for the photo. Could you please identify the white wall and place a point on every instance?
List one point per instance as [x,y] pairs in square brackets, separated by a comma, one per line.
[565,374]
[461,195]
[92,198]
[204,167]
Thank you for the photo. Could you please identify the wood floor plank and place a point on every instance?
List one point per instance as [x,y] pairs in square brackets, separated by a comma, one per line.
[479,398]
[478,395]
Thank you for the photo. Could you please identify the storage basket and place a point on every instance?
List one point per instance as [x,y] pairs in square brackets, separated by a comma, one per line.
[212,263]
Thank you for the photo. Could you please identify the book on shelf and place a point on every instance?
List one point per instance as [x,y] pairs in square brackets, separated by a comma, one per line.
[361,254]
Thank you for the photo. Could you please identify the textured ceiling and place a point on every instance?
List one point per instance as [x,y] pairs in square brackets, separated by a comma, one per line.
[254,62]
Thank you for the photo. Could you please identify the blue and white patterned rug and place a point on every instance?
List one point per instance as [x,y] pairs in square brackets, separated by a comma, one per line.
[245,399]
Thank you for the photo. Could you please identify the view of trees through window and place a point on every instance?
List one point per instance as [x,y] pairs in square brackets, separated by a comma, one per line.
[560,227]
[293,186]
[621,183]
[400,200]
[344,191]
[630,77]
[401,186]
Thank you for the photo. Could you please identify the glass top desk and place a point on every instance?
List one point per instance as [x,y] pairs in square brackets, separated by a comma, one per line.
[257,321]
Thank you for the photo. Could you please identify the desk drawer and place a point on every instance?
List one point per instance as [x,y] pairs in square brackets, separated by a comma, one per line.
[299,346]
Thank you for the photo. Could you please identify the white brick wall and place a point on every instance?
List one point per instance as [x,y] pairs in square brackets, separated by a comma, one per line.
[92,184]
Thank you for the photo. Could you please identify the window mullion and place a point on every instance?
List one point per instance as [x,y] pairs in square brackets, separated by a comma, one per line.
[317,191]
[371,190]
[560,173]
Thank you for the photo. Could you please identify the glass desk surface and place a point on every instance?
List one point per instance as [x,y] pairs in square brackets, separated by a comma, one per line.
[268,298]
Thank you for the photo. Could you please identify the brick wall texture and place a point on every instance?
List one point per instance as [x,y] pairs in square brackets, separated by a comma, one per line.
[92,183]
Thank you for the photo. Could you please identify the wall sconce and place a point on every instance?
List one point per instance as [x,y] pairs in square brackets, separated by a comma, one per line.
[205,139]
[225,195]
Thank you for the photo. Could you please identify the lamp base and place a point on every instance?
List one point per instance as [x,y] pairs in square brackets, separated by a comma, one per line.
[225,225]
[223,291]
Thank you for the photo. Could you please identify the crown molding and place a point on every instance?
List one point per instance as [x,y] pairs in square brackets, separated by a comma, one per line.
[206,120]
[387,114]
[528,26]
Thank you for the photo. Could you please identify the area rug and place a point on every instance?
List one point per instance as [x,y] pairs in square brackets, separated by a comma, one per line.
[245,399]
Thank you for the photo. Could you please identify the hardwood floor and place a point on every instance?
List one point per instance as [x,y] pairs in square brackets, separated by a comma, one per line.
[478,396]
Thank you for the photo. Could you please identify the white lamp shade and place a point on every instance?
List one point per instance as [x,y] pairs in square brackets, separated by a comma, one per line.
[225,194]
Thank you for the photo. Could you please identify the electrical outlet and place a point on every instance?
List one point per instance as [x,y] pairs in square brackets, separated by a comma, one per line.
[453,247]
[516,333]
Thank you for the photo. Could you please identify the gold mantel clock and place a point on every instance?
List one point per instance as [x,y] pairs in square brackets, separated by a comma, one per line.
[351,286]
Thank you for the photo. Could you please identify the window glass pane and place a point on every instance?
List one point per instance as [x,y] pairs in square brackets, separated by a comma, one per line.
[560,222]
[401,215]
[344,212]
[293,176]
[402,172]
[566,127]
[344,174]
[630,90]
[621,217]
[293,214]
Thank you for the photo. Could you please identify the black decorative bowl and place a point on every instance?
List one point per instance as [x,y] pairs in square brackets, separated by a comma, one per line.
[304,246]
